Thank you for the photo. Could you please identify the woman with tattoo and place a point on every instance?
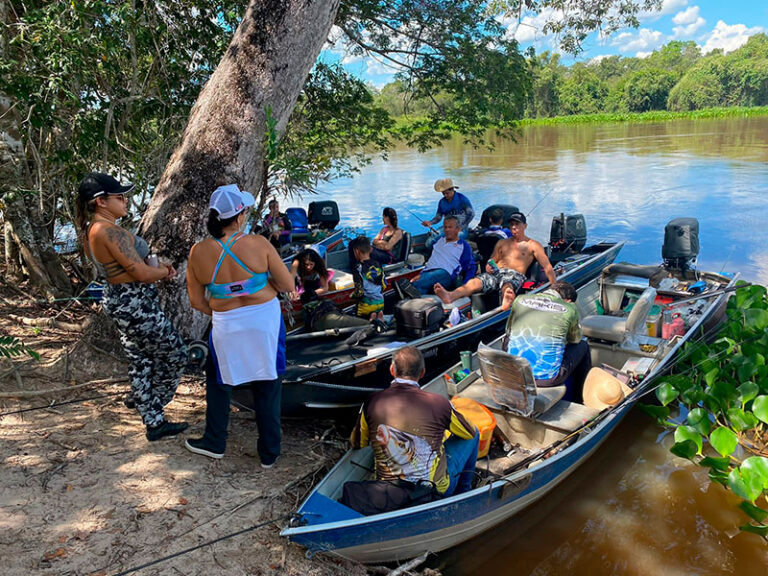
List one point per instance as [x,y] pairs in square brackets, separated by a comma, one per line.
[235,278]
[155,350]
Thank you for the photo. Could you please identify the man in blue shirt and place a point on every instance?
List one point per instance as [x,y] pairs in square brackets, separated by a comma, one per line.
[450,257]
[452,204]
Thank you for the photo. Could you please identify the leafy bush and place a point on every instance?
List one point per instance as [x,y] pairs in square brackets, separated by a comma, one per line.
[723,387]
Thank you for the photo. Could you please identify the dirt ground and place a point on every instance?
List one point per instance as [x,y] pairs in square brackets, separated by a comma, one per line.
[83,492]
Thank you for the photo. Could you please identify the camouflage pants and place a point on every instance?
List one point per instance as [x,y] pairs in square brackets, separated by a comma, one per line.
[155,350]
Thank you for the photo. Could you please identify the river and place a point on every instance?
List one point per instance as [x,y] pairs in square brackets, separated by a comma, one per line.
[633,508]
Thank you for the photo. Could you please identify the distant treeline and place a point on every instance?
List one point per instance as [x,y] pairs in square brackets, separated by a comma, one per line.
[675,78]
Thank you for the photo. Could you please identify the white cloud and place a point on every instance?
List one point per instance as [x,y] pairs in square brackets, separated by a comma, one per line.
[642,55]
[728,37]
[667,8]
[687,22]
[530,28]
[644,40]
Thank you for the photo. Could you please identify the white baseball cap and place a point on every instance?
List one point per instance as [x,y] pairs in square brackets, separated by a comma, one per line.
[229,201]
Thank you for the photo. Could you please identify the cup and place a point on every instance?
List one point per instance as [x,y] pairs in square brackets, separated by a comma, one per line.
[466,359]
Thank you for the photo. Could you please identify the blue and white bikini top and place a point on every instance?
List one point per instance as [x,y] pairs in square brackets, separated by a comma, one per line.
[247,287]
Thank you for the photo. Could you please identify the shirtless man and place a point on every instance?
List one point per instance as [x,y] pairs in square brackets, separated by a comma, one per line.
[505,270]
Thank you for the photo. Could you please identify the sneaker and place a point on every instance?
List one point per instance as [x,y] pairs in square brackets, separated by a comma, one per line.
[268,466]
[165,429]
[129,402]
[202,447]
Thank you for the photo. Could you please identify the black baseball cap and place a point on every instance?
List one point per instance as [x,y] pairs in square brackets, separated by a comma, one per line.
[97,184]
[518,217]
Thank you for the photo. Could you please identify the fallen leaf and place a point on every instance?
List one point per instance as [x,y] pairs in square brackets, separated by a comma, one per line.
[99,573]
[183,501]
[53,554]
[69,488]
[62,539]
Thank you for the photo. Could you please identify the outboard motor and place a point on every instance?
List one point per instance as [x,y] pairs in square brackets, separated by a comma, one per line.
[681,243]
[324,214]
[568,234]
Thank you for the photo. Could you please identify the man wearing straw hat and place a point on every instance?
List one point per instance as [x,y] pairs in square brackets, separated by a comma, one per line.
[451,204]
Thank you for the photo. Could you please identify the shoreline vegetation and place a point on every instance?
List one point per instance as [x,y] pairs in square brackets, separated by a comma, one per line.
[650,116]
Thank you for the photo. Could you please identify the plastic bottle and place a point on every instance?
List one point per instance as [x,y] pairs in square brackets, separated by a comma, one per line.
[673,325]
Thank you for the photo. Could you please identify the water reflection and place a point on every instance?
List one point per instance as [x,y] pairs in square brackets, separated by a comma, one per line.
[632,508]
[627,179]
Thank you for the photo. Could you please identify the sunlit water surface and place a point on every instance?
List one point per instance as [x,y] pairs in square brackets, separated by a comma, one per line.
[632,508]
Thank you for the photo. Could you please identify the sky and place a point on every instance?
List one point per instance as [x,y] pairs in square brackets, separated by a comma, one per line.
[724,24]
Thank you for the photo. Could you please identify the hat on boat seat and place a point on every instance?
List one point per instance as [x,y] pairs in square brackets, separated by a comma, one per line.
[602,389]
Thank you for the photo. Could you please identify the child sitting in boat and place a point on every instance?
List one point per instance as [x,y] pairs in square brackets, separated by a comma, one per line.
[309,272]
[371,278]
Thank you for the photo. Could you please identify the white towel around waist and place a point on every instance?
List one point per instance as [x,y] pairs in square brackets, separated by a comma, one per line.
[245,342]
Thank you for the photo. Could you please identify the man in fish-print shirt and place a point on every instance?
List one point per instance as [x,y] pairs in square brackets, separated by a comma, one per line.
[406,425]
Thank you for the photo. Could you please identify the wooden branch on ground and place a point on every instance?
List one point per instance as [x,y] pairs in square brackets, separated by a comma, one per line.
[35,393]
[48,323]
[410,565]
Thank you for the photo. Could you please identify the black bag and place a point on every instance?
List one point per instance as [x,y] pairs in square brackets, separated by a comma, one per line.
[378,496]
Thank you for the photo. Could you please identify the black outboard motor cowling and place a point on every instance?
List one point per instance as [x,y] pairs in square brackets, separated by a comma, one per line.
[568,233]
[323,214]
[681,243]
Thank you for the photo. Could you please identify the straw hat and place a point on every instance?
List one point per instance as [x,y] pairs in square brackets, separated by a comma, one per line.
[443,184]
[602,390]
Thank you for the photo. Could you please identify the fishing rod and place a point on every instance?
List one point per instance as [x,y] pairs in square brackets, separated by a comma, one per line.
[705,295]
[420,219]
[539,202]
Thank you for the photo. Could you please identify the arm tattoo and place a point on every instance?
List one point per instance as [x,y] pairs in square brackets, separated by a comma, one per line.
[123,241]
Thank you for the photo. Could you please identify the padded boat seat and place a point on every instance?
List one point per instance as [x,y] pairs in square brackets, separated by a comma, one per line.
[511,384]
[458,303]
[628,269]
[617,328]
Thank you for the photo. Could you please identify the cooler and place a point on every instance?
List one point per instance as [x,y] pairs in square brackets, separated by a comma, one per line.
[481,417]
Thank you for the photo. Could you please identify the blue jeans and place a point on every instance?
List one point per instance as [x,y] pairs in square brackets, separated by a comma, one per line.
[462,457]
[429,278]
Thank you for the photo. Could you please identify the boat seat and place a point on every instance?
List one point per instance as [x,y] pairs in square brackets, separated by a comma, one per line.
[458,303]
[511,384]
[401,259]
[628,269]
[617,328]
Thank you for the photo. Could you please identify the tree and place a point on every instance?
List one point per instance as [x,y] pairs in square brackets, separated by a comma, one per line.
[648,89]
[547,73]
[95,84]
[582,92]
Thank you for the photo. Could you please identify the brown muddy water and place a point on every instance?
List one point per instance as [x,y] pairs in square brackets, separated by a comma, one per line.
[632,508]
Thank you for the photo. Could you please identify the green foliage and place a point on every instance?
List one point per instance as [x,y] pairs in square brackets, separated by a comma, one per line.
[724,387]
[11,347]
[333,130]
[648,89]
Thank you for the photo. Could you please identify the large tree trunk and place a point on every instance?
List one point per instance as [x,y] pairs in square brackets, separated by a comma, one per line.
[265,66]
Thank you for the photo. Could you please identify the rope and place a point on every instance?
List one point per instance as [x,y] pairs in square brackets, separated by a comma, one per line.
[203,545]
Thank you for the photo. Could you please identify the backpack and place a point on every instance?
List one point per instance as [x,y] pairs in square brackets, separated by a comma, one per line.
[379,496]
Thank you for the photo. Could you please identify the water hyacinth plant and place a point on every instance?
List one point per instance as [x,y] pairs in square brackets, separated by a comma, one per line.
[722,390]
